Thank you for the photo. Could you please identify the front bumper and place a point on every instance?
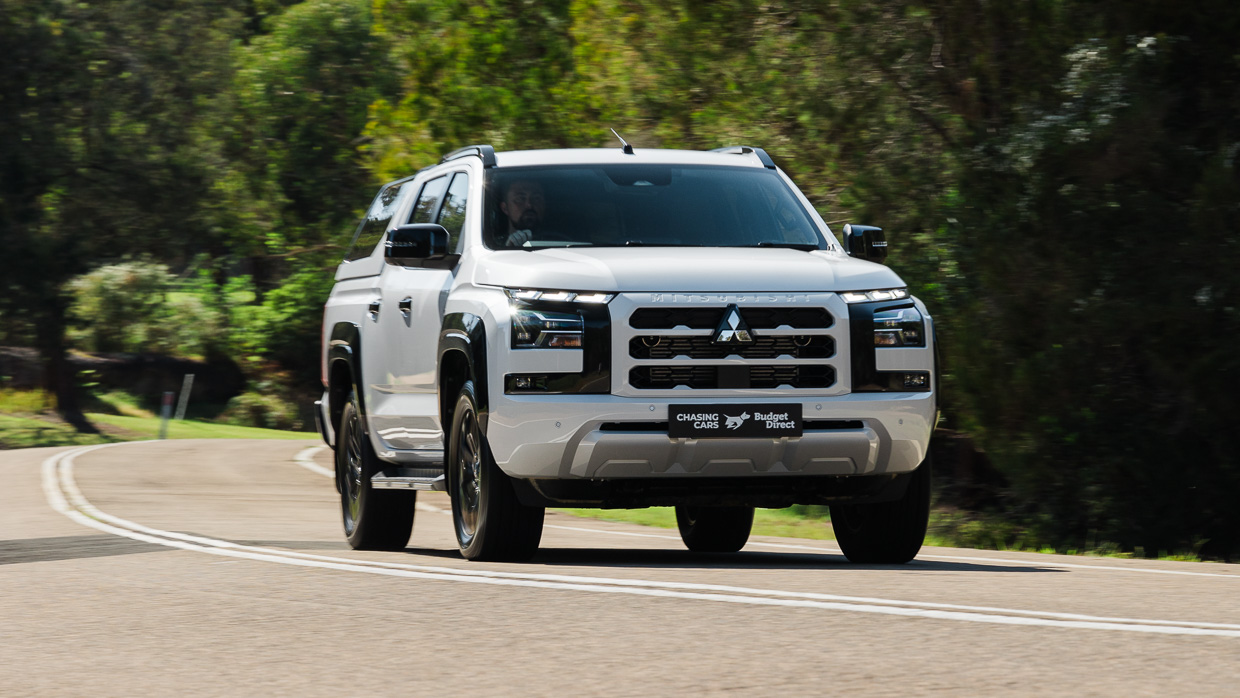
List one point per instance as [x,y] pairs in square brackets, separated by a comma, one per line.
[610,437]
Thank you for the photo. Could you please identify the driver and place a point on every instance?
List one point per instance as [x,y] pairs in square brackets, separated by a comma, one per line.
[524,205]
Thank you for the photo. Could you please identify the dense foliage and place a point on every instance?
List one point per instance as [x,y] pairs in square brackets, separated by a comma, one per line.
[1058,179]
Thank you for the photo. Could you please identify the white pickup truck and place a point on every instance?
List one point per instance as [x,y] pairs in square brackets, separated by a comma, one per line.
[623,328]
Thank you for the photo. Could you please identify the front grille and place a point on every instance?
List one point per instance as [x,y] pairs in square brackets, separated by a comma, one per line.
[797,318]
[668,318]
[731,377]
[700,347]
[667,377]
[817,376]
[797,340]
[709,318]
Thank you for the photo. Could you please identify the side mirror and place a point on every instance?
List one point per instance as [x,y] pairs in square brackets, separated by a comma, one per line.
[412,245]
[865,242]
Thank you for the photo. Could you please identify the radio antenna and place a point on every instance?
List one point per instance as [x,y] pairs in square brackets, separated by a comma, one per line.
[628,149]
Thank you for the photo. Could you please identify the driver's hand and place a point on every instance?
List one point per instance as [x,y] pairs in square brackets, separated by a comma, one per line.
[518,238]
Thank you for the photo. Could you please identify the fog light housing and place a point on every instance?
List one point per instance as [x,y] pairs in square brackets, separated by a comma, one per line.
[526,383]
[916,381]
[563,341]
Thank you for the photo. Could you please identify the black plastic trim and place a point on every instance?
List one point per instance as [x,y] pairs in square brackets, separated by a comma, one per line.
[595,375]
[866,378]
[661,427]
[758,317]
[769,491]
[934,376]
[345,345]
[464,333]
[486,152]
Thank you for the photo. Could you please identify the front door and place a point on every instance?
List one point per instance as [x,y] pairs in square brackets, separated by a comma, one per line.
[403,408]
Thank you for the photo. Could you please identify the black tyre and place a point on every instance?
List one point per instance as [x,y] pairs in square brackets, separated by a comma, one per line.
[490,522]
[373,519]
[887,532]
[714,529]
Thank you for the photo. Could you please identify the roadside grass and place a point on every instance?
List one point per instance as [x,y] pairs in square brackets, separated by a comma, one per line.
[26,421]
[122,403]
[784,523]
[148,428]
[947,529]
[24,401]
[31,432]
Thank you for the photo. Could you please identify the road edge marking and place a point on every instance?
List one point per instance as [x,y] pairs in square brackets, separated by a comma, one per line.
[65,497]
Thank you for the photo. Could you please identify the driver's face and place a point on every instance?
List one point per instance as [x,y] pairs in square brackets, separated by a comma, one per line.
[524,205]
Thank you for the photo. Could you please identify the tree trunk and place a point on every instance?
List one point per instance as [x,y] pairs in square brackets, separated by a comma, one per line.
[59,378]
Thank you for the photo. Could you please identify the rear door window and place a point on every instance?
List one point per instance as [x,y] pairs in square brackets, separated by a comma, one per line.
[428,201]
[375,224]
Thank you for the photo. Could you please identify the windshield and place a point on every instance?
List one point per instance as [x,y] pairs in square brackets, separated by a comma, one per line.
[636,205]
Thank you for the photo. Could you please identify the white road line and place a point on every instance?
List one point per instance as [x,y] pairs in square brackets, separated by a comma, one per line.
[65,497]
[303,459]
[928,556]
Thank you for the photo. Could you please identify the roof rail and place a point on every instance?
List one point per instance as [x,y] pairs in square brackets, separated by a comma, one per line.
[486,152]
[766,160]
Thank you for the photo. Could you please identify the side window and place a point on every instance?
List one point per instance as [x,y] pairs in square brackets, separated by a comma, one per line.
[428,201]
[452,215]
[375,224]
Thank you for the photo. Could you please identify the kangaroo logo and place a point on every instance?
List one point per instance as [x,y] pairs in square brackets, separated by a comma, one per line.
[736,422]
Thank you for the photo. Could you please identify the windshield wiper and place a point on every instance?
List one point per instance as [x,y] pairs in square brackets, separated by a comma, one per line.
[802,246]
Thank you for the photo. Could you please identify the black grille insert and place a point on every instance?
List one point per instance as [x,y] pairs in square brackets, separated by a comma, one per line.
[763,347]
[833,424]
[634,426]
[730,377]
[800,318]
[667,377]
[708,318]
[795,376]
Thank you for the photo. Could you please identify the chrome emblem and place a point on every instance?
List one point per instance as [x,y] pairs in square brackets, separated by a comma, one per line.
[733,330]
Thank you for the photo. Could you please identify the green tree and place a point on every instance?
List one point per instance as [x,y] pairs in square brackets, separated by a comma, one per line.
[291,178]
[100,155]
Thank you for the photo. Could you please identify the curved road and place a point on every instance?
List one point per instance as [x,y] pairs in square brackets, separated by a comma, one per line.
[218,568]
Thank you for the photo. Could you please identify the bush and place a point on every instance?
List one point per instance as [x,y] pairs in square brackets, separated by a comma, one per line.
[136,307]
[284,327]
[251,409]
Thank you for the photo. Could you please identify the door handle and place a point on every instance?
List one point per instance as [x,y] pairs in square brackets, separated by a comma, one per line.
[374,310]
[405,305]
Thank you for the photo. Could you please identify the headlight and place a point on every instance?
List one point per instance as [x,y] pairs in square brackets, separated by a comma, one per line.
[543,329]
[548,320]
[899,327]
[889,294]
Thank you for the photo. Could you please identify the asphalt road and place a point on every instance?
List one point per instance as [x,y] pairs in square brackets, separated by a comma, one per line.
[219,568]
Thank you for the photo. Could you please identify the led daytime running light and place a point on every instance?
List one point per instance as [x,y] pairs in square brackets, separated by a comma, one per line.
[886,294]
[524,294]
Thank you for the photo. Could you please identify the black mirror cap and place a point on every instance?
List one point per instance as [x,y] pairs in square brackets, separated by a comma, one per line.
[414,244]
[865,242]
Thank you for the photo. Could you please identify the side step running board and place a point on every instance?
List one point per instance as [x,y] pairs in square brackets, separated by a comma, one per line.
[425,479]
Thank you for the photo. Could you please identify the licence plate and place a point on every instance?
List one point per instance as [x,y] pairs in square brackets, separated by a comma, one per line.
[733,421]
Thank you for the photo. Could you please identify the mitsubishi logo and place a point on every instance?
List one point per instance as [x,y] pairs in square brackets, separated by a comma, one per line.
[733,330]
